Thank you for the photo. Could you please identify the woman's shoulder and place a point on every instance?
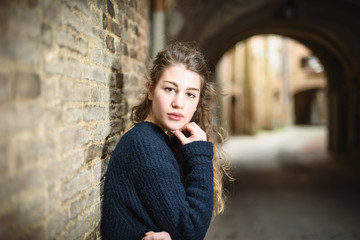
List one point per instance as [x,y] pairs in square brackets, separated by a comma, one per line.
[144,132]
[143,140]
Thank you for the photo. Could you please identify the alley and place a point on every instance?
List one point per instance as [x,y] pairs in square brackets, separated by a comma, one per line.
[288,188]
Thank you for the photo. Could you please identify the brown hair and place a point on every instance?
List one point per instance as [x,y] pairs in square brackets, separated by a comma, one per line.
[192,58]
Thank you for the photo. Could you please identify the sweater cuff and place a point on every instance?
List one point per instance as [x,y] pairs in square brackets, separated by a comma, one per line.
[198,149]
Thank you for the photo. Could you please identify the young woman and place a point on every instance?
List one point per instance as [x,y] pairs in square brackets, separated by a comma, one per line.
[164,179]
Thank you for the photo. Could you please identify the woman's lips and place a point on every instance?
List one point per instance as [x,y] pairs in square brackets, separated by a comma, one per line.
[175,116]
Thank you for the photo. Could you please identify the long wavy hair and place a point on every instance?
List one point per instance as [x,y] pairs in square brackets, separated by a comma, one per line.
[191,57]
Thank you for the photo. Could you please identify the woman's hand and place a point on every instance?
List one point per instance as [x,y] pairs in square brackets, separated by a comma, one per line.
[191,132]
[157,236]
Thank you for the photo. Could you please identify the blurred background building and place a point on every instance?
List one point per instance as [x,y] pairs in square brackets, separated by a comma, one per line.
[270,82]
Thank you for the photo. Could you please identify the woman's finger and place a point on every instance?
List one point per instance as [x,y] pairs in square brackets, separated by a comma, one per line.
[182,138]
[196,133]
[157,236]
[189,133]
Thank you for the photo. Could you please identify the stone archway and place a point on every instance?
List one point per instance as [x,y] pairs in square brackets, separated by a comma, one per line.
[328,28]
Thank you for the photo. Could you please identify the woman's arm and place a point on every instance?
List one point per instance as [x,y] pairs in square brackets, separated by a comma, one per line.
[183,213]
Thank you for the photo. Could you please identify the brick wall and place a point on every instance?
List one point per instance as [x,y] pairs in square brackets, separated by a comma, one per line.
[69,72]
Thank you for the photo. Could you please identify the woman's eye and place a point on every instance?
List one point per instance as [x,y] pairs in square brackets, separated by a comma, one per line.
[169,89]
[191,95]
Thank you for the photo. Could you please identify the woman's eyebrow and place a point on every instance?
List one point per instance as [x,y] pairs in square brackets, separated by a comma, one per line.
[176,85]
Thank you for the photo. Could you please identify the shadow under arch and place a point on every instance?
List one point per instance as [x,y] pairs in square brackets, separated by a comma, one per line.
[303,104]
[331,46]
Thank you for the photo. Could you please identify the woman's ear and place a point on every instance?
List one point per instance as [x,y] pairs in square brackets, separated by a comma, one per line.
[150,93]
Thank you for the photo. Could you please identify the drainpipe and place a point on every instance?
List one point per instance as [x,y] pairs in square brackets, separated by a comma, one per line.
[158,27]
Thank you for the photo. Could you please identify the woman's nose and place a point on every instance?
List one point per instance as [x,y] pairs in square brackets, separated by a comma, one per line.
[178,101]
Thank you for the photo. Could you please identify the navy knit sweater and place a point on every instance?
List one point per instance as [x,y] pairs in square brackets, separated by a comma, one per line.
[144,192]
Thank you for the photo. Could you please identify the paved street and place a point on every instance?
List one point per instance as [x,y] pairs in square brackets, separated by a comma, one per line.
[288,188]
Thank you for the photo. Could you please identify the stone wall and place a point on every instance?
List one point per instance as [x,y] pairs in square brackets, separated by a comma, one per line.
[69,72]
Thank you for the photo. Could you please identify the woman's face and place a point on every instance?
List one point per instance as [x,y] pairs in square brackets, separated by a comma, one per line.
[174,98]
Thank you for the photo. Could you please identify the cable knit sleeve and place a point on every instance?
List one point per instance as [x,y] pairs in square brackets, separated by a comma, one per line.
[183,212]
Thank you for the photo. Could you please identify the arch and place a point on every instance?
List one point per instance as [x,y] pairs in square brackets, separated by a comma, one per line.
[328,28]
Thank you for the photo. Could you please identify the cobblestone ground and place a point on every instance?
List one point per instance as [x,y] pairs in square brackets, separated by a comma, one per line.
[288,188]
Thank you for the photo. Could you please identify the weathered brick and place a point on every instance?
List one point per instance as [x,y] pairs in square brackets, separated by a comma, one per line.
[47,35]
[115,95]
[73,115]
[92,152]
[109,146]
[120,13]
[71,19]
[70,41]
[74,137]
[96,55]
[32,178]
[75,185]
[54,66]
[4,88]
[82,226]
[97,215]
[101,131]
[96,17]
[94,195]
[97,173]
[25,22]
[54,195]
[101,5]
[14,120]
[52,173]
[125,49]
[116,111]
[104,58]
[118,48]
[32,3]
[99,94]
[74,91]
[110,43]
[114,27]
[6,121]
[94,234]
[73,68]
[4,158]
[52,11]
[94,113]
[28,150]
[112,79]
[26,85]
[95,73]
[19,49]
[136,30]
[105,21]
[126,36]
[8,221]
[110,8]
[37,233]
[57,224]
[82,6]
[126,21]
[51,118]
[31,209]
[75,160]
[133,54]
[77,207]
[134,81]
[94,32]
[120,80]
